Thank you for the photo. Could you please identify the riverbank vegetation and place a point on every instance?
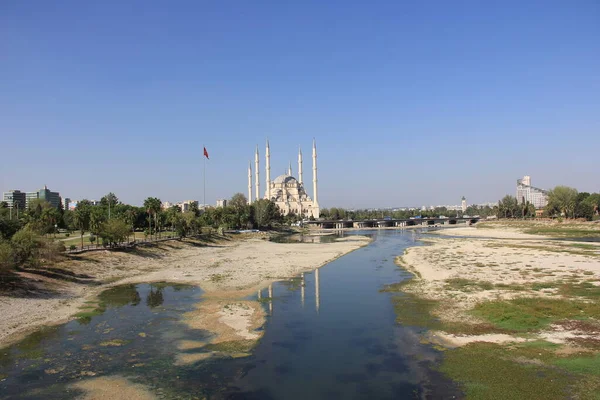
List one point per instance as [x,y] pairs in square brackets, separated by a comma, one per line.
[562,202]
[516,318]
[40,234]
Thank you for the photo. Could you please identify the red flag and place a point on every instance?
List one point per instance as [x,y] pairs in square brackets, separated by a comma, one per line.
[206,153]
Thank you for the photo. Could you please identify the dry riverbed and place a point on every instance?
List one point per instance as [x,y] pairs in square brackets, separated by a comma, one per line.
[517,312]
[227,269]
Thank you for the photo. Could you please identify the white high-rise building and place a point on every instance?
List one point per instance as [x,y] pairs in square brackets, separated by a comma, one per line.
[527,193]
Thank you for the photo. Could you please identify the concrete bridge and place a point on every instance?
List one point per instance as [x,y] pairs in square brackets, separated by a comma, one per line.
[385,223]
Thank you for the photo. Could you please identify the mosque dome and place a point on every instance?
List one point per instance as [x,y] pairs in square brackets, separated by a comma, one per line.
[284,179]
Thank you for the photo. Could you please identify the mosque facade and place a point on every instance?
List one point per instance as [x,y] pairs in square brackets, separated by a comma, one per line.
[286,191]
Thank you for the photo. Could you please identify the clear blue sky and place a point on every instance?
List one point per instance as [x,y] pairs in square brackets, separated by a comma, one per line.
[410,102]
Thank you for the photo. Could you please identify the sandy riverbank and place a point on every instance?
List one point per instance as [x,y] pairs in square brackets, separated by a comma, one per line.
[225,269]
[459,274]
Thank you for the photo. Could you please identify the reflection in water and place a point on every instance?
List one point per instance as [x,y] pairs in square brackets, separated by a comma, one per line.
[317,297]
[119,296]
[302,288]
[154,298]
[271,299]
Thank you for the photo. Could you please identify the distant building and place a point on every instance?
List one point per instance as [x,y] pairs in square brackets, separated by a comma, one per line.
[463,204]
[527,193]
[186,205]
[221,203]
[286,191]
[15,199]
[166,205]
[66,203]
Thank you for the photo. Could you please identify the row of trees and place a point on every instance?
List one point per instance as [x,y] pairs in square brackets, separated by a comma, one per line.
[563,201]
[26,238]
[335,213]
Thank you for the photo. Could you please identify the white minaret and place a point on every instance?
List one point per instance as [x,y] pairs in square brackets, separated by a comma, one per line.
[300,165]
[315,198]
[290,169]
[257,169]
[249,182]
[268,167]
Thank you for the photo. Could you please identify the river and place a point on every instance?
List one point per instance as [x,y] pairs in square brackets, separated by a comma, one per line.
[335,336]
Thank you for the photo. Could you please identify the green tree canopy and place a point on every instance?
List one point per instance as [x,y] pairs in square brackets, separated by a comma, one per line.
[562,199]
[238,201]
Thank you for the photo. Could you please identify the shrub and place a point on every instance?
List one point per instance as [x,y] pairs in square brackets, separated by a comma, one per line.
[72,247]
[51,251]
[26,245]
[6,256]
[67,234]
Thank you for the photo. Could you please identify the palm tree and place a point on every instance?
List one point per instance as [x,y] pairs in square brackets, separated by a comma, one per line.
[81,220]
[152,206]
[130,218]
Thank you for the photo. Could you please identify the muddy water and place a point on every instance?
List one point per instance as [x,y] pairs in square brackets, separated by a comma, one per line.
[330,334]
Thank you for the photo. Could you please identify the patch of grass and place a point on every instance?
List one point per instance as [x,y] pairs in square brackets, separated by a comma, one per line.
[564,231]
[467,285]
[484,375]
[533,314]
[510,286]
[114,343]
[581,365]
[586,246]
[412,310]
[491,371]
[582,289]
[553,248]
[543,285]
[234,346]
[216,278]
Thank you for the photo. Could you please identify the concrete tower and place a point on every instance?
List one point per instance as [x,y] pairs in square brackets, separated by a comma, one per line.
[300,165]
[314,156]
[463,204]
[268,167]
[249,182]
[257,169]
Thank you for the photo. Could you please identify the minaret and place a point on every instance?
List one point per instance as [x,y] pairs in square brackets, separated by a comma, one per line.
[268,167]
[290,169]
[249,183]
[300,165]
[257,177]
[315,198]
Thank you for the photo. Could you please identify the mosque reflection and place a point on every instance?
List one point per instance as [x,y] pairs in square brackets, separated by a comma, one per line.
[301,282]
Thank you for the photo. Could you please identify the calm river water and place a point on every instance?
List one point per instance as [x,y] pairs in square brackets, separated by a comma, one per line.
[335,337]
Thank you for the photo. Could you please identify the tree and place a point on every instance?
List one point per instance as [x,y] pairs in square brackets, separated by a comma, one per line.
[96,220]
[152,206]
[8,227]
[508,206]
[563,199]
[593,201]
[81,219]
[6,256]
[108,201]
[25,245]
[114,231]
[238,201]
[266,213]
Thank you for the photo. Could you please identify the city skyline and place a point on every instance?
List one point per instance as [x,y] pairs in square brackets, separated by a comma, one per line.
[411,104]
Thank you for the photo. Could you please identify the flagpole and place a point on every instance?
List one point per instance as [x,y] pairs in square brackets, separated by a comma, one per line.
[204,174]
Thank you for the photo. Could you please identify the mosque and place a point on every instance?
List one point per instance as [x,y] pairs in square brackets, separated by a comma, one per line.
[287,192]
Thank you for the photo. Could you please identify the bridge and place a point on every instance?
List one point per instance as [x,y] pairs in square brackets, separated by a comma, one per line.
[385,223]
